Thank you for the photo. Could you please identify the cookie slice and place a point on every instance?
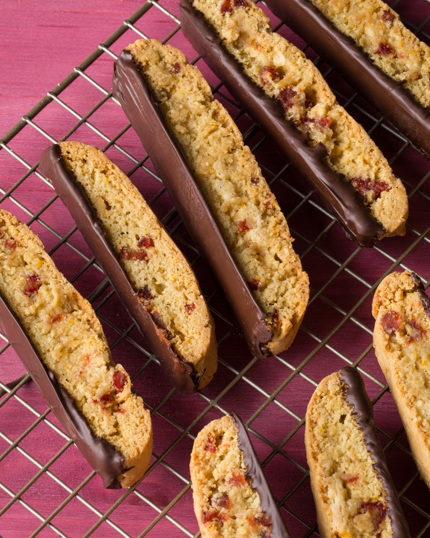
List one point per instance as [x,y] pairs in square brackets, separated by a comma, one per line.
[352,487]
[68,338]
[231,494]
[246,212]
[284,73]
[150,274]
[401,339]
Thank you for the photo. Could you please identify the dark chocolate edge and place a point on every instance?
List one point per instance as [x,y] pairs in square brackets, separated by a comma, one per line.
[259,481]
[147,120]
[100,454]
[182,374]
[338,195]
[389,96]
[356,397]
[425,299]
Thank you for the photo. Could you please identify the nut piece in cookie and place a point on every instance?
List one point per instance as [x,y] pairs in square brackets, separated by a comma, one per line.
[231,494]
[352,487]
[401,339]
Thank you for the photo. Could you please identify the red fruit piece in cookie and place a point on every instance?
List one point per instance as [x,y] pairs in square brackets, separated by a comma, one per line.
[391,322]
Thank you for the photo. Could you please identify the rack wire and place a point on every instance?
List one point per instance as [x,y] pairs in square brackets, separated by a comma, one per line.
[53,492]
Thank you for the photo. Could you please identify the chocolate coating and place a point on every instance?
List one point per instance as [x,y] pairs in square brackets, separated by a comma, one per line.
[394,101]
[425,299]
[356,396]
[131,90]
[101,455]
[259,482]
[182,374]
[338,194]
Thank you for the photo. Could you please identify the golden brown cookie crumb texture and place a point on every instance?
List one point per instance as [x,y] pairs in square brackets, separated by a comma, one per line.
[349,496]
[246,211]
[224,501]
[378,30]
[402,345]
[167,286]
[69,339]
[285,74]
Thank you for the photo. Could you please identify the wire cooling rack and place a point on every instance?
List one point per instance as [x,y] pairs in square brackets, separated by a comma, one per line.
[46,487]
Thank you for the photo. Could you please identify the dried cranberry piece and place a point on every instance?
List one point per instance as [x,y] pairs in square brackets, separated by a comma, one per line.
[176,67]
[324,122]
[240,3]
[189,308]
[236,480]
[375,187]
[305,123]
[254,284]
[223,501]
[118,380]
[130,254]
[10,243]
[33,284]
[226,7]
[378,512]
[352,479]
[286,97]
[387,16]
[213,514]
[391,322]
[384,50]
[106,399]
[145,295]
[255,180]
[55,318]
[275,316]
[146,241]
[160,323]
[243,227]
[268,74]
[417,332]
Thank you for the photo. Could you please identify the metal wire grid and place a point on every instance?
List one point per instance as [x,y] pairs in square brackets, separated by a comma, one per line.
[173,225]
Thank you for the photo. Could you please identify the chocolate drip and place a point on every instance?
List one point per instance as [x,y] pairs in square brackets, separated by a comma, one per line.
[131,90]
[101,455]
[394,101]
[338,194]
[356,396]
[182,374]
[425,299]
[259,482]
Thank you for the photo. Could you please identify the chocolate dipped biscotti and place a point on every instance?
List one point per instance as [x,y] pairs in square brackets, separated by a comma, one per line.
[150,274]
[218,189]
[352,486]
[232,497]
[286,94]
[368,44]
[401,339]
[58,337]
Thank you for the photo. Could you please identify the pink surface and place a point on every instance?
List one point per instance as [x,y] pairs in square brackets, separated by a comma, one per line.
[41,42]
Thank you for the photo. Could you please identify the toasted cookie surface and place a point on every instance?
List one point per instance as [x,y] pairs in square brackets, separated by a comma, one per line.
[352,488]
[246,211]
[285,74]
[70,341]
[166,285]
[401,339]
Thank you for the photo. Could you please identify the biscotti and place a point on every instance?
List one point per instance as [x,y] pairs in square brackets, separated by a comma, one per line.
[378,30]
[401,339]
[352,487]
[69,339]
[231,495]
[284,73]
[376,69]
[245,210]
[178,324]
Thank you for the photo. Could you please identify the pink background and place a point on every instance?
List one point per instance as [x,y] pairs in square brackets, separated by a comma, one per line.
[40,43]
